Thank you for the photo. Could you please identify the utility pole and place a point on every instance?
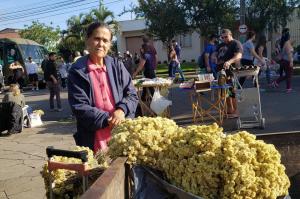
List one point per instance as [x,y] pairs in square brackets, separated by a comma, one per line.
[242,12]
[242,18]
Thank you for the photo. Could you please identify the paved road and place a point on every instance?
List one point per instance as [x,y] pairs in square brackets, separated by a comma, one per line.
[22,155]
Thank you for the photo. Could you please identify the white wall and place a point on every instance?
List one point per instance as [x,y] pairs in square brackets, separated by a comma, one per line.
[133,28]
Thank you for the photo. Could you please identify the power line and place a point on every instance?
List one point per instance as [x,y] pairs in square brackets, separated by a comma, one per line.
[58,13]
[55,8]
[29,5]
[47,6]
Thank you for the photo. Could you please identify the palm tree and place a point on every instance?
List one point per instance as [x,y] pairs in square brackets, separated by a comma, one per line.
[102,14]
[75,25]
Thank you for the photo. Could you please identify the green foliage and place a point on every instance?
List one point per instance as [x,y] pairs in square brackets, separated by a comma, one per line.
[77,26]
[165,19]
[42,34]
[207,15]
[269,14]
[168,18]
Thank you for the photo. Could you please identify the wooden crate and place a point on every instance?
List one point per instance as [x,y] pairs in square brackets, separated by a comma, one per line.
[202,85]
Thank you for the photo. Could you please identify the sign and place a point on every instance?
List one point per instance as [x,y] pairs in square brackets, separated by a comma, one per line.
[243,28]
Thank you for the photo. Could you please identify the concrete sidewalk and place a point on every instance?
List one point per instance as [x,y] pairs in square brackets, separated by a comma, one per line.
[23,155]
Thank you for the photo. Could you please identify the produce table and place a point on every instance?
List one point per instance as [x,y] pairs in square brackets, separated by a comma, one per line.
[214,97]
[157,83]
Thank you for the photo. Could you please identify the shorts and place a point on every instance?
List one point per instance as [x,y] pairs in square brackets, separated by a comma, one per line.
[33,77]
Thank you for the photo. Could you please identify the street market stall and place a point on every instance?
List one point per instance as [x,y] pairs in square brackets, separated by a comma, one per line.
[155,105]
[196,162]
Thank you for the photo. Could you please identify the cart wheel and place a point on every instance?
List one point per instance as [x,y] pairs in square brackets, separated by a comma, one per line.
[238,124]
[262,123]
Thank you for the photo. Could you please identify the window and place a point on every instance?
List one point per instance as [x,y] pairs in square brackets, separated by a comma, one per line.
[186,40]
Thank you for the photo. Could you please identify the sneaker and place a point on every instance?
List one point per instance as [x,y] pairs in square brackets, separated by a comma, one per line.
[32,89]
[59,110]
[289,90]
[36,89]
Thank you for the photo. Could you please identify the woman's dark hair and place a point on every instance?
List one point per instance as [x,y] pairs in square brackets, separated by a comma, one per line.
[250,34]
[262,41]
[213,36]
[284,37]
[95,25]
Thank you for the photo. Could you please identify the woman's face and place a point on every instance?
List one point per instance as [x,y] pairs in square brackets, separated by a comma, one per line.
[99,42]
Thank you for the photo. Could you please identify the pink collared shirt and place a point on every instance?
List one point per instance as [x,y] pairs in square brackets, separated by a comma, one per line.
[104,100]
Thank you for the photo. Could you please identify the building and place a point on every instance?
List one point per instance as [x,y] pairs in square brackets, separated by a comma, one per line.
[130,38]
[10,33]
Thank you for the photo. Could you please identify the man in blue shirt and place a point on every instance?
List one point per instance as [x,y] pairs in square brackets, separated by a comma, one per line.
[209,56]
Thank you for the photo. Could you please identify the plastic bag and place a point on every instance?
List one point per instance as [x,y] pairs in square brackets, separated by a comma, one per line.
[35,120]
[159,103]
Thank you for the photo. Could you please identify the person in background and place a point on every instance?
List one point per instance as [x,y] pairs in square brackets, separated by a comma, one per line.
[286,62]
[85,52]
[18,72]
[32,71]
[136,58]
[100,90]
[77,55]
[1,75]
[52,82]
[209,56]
[152,52]
[261,50]
[249,54]
[128,63]
[14,95]
[229,52]
[12,56]
[173,65]
[63,71]
[145,64]
[178,54]
[44,62]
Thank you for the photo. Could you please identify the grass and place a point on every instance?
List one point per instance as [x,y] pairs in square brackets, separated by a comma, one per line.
[186,67]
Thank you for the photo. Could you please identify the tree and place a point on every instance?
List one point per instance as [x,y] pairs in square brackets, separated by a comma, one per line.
[206,16]
[77,26]
[269,14]
[42,34]
[164,19]
[102,14]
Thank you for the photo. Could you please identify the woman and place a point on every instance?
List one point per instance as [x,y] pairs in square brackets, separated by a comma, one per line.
[101,93]
[146,65]
[286,62]
[14,95]
[249,54]
[173,61]
[18,72]
[261,50]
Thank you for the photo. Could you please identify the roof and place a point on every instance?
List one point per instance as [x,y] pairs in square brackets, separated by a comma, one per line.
[9,30]
[19,41]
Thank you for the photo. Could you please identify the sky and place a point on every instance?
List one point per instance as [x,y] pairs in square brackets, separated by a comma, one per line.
[18,13]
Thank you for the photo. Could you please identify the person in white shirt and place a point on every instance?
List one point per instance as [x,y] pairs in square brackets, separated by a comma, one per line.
[32,70]
[63,71]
